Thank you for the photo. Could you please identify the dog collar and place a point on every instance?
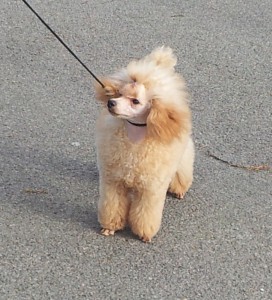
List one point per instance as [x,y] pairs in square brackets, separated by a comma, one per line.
[136,124]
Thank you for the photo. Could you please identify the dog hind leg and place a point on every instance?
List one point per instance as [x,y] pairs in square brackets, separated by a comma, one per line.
[183,178]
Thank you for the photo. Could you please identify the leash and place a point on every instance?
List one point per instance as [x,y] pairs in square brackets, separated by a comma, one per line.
[62,42]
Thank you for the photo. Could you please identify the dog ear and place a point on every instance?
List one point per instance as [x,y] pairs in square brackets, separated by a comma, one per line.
[111,89]
[164,122]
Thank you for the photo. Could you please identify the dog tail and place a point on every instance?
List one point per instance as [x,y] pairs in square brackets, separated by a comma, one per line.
[164,57]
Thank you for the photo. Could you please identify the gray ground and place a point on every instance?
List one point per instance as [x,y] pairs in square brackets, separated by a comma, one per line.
[217,243]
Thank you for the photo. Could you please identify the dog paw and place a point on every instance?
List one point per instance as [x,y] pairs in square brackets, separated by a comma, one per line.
[107,232]
[178,195]
[146,239]
[144,236]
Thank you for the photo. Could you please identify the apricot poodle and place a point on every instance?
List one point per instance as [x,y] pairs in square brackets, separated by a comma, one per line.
[144,144]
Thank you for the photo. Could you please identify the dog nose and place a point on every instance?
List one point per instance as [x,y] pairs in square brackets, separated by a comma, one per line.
[111,103]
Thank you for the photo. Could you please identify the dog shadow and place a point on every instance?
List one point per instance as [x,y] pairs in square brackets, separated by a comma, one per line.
[51,184]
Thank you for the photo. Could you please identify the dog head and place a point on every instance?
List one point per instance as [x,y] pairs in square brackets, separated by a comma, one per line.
[149,91]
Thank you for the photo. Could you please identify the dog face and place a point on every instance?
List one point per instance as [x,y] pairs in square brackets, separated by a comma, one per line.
[131,103]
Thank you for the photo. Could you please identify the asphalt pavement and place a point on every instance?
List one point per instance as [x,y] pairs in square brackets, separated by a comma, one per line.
[217,242]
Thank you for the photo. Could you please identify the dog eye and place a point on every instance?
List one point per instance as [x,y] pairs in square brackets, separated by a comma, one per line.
[135,101]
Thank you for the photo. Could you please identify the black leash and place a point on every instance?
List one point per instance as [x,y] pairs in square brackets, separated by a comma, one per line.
[62,42]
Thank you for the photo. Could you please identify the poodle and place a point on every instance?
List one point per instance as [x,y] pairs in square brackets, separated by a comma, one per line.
[144,144]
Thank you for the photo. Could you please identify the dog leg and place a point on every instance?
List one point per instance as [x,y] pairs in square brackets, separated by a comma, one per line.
[183,178]
[145,213]
[113,207]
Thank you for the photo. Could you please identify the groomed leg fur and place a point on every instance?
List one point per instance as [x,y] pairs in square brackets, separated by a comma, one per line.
[113,207]
[146,213]
[183,178]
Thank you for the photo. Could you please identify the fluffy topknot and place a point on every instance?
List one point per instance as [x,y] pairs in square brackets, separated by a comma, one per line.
[163,57]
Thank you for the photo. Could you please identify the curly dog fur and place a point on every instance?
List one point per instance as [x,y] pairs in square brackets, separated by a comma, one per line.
[139,164]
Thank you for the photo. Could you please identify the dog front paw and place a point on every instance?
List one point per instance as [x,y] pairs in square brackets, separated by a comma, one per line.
[144,231]
[107,232]
[146,239]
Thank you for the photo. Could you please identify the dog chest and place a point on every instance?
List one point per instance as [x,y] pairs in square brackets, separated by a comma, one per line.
[135,165]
